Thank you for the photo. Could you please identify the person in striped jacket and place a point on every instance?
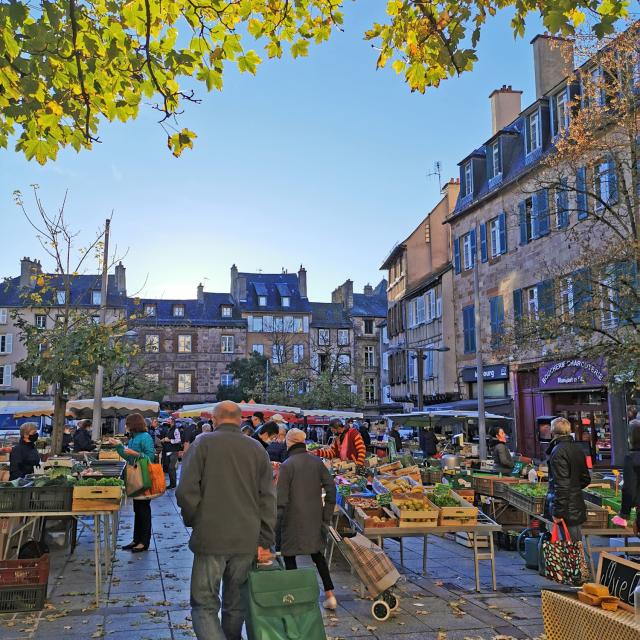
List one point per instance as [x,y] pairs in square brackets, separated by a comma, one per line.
[348,444]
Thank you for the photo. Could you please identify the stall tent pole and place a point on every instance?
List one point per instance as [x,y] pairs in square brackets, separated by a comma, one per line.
[482,426]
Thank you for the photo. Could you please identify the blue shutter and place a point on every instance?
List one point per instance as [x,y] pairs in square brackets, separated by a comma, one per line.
[581,195]
[484,256]
[469,329]
[472,235]
[496,307]
[456,255]
[546,302]
[522,212]
[562,204]
[527,134]
[502,226]
[553,116]
[541,206]
[517,309]
[613,181]
[581,289]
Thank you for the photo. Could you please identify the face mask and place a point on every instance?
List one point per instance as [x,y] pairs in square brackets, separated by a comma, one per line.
[33,437]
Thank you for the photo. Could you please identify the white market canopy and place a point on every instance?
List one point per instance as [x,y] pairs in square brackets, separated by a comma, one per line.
[26,408]
[423,418]
[197,410]
[114,406]
[327,413]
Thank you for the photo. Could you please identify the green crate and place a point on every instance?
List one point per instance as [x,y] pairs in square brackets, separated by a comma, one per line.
[22,599]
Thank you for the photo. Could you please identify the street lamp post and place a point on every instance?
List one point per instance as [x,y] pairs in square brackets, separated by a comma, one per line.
[420,356]
[482,425]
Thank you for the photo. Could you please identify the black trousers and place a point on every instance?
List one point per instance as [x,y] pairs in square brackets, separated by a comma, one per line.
[172,463]
[142,522]
[321,565]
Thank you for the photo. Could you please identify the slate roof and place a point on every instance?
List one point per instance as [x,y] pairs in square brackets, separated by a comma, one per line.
[373,306]
[81,291]
[205,314]
[329,315]
[274,286]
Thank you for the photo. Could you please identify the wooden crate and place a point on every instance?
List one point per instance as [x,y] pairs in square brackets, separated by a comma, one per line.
[364,517]
[427,517]
[597,517]
[492,485]
[97,493]
[95,504]
[468,494]
[409,472]
[466,540]
[108,454]
[390,467]
[530,504]
[511,516]
[464,515]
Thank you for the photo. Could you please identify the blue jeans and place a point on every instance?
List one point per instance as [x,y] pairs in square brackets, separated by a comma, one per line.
[207,574]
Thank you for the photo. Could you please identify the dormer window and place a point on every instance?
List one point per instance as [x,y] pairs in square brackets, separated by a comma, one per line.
[96,298]
[468,178]
[262,301]
[534,134]
[61,297]
[226,311]
[149,309]
[178,311]
[561,113]
[286,301]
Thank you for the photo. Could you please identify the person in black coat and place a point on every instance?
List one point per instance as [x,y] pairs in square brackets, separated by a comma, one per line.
[568,476]
[277,449]
[631,478]
[501,455]
[82,437]
[67,439]
[395,435]
[266,434]
[428,442]
[364,432]
[24,457]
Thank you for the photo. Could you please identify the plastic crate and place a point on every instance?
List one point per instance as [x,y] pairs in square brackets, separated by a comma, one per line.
[21,599]
[530,504]
[56,498]
[19,573]
[13,500]
[597,517]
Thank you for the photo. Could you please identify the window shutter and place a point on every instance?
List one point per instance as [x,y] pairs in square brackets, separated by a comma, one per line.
[541,206]
[553,116]
[527,135]
[517,308]
[472,235]
[433,311]
[546,302]
[305,324]
[439,308]
[522,213]
[502,226]
[9,343]
[456,255]
[483,242]
[496,307]
[7,375]
[250,323]
[581,289]
[3,316]
[562,203]
[581,195]
[613,181]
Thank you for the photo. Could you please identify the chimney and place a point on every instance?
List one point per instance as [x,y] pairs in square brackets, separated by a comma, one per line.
[121,279]
[29,269]
[552,62]
[344,295]
[302,281]
[368,290]
[200,294]
[505,107]
[234,281]
[242,288]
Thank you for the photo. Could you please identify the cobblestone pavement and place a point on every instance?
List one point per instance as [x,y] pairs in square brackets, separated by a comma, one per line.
[147,596]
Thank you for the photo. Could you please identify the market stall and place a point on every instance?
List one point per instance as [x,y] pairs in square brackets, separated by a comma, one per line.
[248,409]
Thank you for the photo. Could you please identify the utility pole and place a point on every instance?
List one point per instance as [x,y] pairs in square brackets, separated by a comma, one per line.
[482,425]
[97,390]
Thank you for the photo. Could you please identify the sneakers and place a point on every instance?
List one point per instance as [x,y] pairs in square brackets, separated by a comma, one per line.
[619,521]
[330,603]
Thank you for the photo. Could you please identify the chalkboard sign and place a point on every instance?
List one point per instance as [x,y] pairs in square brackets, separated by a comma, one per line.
[621,576]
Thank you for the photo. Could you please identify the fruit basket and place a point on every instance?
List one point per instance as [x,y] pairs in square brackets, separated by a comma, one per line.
[453,510]
[415,512]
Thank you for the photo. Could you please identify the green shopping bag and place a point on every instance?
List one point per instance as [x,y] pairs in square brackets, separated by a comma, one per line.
[283,605]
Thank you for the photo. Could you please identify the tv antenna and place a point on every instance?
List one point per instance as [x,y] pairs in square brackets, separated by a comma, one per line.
[437,171]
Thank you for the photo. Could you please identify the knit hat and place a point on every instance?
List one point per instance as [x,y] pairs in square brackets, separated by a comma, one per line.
[295,436]
[278,417]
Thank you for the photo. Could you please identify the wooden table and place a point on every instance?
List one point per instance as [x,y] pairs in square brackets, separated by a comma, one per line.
[105,527]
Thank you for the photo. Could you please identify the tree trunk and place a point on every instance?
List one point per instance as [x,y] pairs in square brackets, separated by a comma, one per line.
[59,411]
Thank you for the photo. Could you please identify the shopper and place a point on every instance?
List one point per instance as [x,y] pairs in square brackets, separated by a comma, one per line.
[24,457]
[257,420]
[301,514]
[277,450]
[364,432]
[171,447]
[395,434]
[67,439]
[501,455]
[226,494]
[82,437]
[347,445]
[139,445]
[631,479]
[428,442]
[568,476]
[266,434]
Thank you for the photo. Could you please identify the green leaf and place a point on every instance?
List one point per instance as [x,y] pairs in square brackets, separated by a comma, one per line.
[249,62]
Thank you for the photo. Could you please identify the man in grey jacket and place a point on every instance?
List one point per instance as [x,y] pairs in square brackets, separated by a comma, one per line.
[226,494]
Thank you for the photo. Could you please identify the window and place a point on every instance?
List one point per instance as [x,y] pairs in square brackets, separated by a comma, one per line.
[531,301]
[277,353]
[609,300]
[561,112]
[369,357]
[566,297]
[226,380]
[36,389]
[267,324]
[420,310]
[149,310]
[152,343]
[370,389]
[496,166]
[227,344]
[604,184]
[298,325]
[496,309]
[3,316]
[5,375]
[527,220]
[288,324]
[368,327]
[41,321]
[343,337]
[258,348]
[344,362]
[178,311]
[257,324]
[227,311]
[431,305]
[469,329]
[184,344]
[96,298]
[185,382]
[427,368]
[95,319]
[324,337]
[262,301]
[61,297]
[561,205]
[6,343]
[597,96]
[412,370]
[278,324]
[468,249]
[286,301]
[498,235]
[468,179]
[534,137]
[152,378]
[298,353]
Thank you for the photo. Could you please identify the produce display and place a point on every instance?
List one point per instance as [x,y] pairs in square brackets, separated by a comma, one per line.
[538,490]
[102,482]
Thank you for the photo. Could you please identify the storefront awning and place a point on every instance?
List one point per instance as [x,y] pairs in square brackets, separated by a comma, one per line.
[423,418]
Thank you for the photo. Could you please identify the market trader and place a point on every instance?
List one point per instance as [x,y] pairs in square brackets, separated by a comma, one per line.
[24,457]
[348,444]
[82,437]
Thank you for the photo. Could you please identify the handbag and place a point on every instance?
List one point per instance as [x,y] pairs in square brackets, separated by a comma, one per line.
[564,560]
[158,482]
[283,605]
[137,477]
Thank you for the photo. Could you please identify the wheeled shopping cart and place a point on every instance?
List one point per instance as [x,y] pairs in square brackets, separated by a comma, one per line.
[372,565]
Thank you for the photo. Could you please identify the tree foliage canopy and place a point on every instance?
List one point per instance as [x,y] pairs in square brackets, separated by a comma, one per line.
[68,65]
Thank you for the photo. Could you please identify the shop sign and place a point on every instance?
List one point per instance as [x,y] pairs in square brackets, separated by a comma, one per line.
[575,372]
[490,372]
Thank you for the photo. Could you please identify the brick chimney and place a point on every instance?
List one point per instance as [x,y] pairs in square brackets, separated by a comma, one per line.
[552,62]
[302,282]
[505,107]
[29,269]
[200,294]
[121,279]
[233,290]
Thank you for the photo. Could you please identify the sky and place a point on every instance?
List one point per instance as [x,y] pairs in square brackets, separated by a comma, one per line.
[321,161]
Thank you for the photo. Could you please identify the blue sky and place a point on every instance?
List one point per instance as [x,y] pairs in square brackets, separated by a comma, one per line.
[321,161]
